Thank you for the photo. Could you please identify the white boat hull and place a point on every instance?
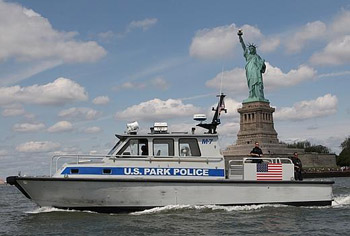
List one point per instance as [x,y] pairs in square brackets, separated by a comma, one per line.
[116,195]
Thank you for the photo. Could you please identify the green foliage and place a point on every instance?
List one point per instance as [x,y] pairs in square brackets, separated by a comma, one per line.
[346,143]
[318,149]
[308,147]
[301,145]
[344,157]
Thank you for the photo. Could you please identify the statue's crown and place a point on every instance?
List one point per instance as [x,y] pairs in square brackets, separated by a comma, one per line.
[252,45]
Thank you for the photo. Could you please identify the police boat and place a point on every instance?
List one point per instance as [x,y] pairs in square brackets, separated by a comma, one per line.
[162,168]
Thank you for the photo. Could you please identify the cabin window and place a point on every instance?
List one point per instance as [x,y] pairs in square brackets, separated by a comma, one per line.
[74,171]
[107,171]
[163,147]
[135,147]
[189,147]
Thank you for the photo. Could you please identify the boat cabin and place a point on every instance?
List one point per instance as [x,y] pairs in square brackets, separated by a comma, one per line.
[166,155]
[173,155]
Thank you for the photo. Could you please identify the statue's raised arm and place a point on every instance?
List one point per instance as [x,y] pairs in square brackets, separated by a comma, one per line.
[240,33]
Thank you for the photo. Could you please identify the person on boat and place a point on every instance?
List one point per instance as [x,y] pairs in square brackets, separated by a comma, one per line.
[144,150]
[185,151]
[297,167]
[256,153]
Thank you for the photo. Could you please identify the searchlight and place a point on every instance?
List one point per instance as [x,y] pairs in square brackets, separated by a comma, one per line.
[131,128]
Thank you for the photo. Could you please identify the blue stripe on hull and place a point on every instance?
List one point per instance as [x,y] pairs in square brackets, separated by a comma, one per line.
[144,171]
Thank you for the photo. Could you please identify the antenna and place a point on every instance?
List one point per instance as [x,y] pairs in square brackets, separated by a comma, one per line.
[222,75]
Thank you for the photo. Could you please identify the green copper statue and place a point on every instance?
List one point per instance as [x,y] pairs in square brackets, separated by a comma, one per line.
[254,68]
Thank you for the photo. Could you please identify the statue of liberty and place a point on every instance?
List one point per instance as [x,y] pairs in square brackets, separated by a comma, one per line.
[254,68]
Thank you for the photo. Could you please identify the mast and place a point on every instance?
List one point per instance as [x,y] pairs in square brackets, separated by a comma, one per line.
[211,127]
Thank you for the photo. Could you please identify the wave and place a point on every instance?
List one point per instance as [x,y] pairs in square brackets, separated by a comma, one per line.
[205,207]
[53,209]
[341,201]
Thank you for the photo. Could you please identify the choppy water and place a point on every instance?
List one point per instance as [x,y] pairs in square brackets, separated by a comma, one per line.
[18,216]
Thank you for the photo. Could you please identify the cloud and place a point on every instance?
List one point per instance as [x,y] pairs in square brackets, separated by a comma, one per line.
[320,107]
[157,109]
[214,43]
[79,113]
[337,52]
[36,147]
[92,130]
[228,129]
[26,35]
[311,31]
[28,71]
[158,68]
[340,24]
[274,78]
[130,85]
[107,36]
[157,83]
[160,82]
[61,126]
[28,127]
[101,100]
[59,92]
[220,42]
[13,110]
[3,152]
[144,24]
[270,44]
[233,80]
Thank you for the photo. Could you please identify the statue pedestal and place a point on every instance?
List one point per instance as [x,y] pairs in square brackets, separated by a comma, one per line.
[256,125]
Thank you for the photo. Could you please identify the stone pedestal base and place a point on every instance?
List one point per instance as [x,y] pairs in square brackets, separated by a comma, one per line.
[256,125]
[268,149]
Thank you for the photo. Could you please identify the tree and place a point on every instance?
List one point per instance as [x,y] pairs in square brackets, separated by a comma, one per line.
[301,145]
[308,147]
[318,149]
[346,143]
[344,157]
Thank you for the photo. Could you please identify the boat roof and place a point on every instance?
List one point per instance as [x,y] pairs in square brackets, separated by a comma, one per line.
[171,134]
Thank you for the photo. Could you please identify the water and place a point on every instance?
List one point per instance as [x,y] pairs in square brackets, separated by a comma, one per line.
[18,216]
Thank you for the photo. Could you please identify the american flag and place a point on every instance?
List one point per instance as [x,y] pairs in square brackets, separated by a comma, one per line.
[268,171]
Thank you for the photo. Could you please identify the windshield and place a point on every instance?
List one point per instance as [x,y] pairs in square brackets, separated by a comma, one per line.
[114,148]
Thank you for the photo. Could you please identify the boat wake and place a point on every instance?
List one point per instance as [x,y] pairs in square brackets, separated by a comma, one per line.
[53,209]
[171,208]
[341,200]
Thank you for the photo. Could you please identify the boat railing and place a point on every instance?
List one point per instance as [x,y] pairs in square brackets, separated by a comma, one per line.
[235,169]
[282,160]
[165,159]
[77,158]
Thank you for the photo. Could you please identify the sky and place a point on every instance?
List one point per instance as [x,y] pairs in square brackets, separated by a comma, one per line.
[74,73]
